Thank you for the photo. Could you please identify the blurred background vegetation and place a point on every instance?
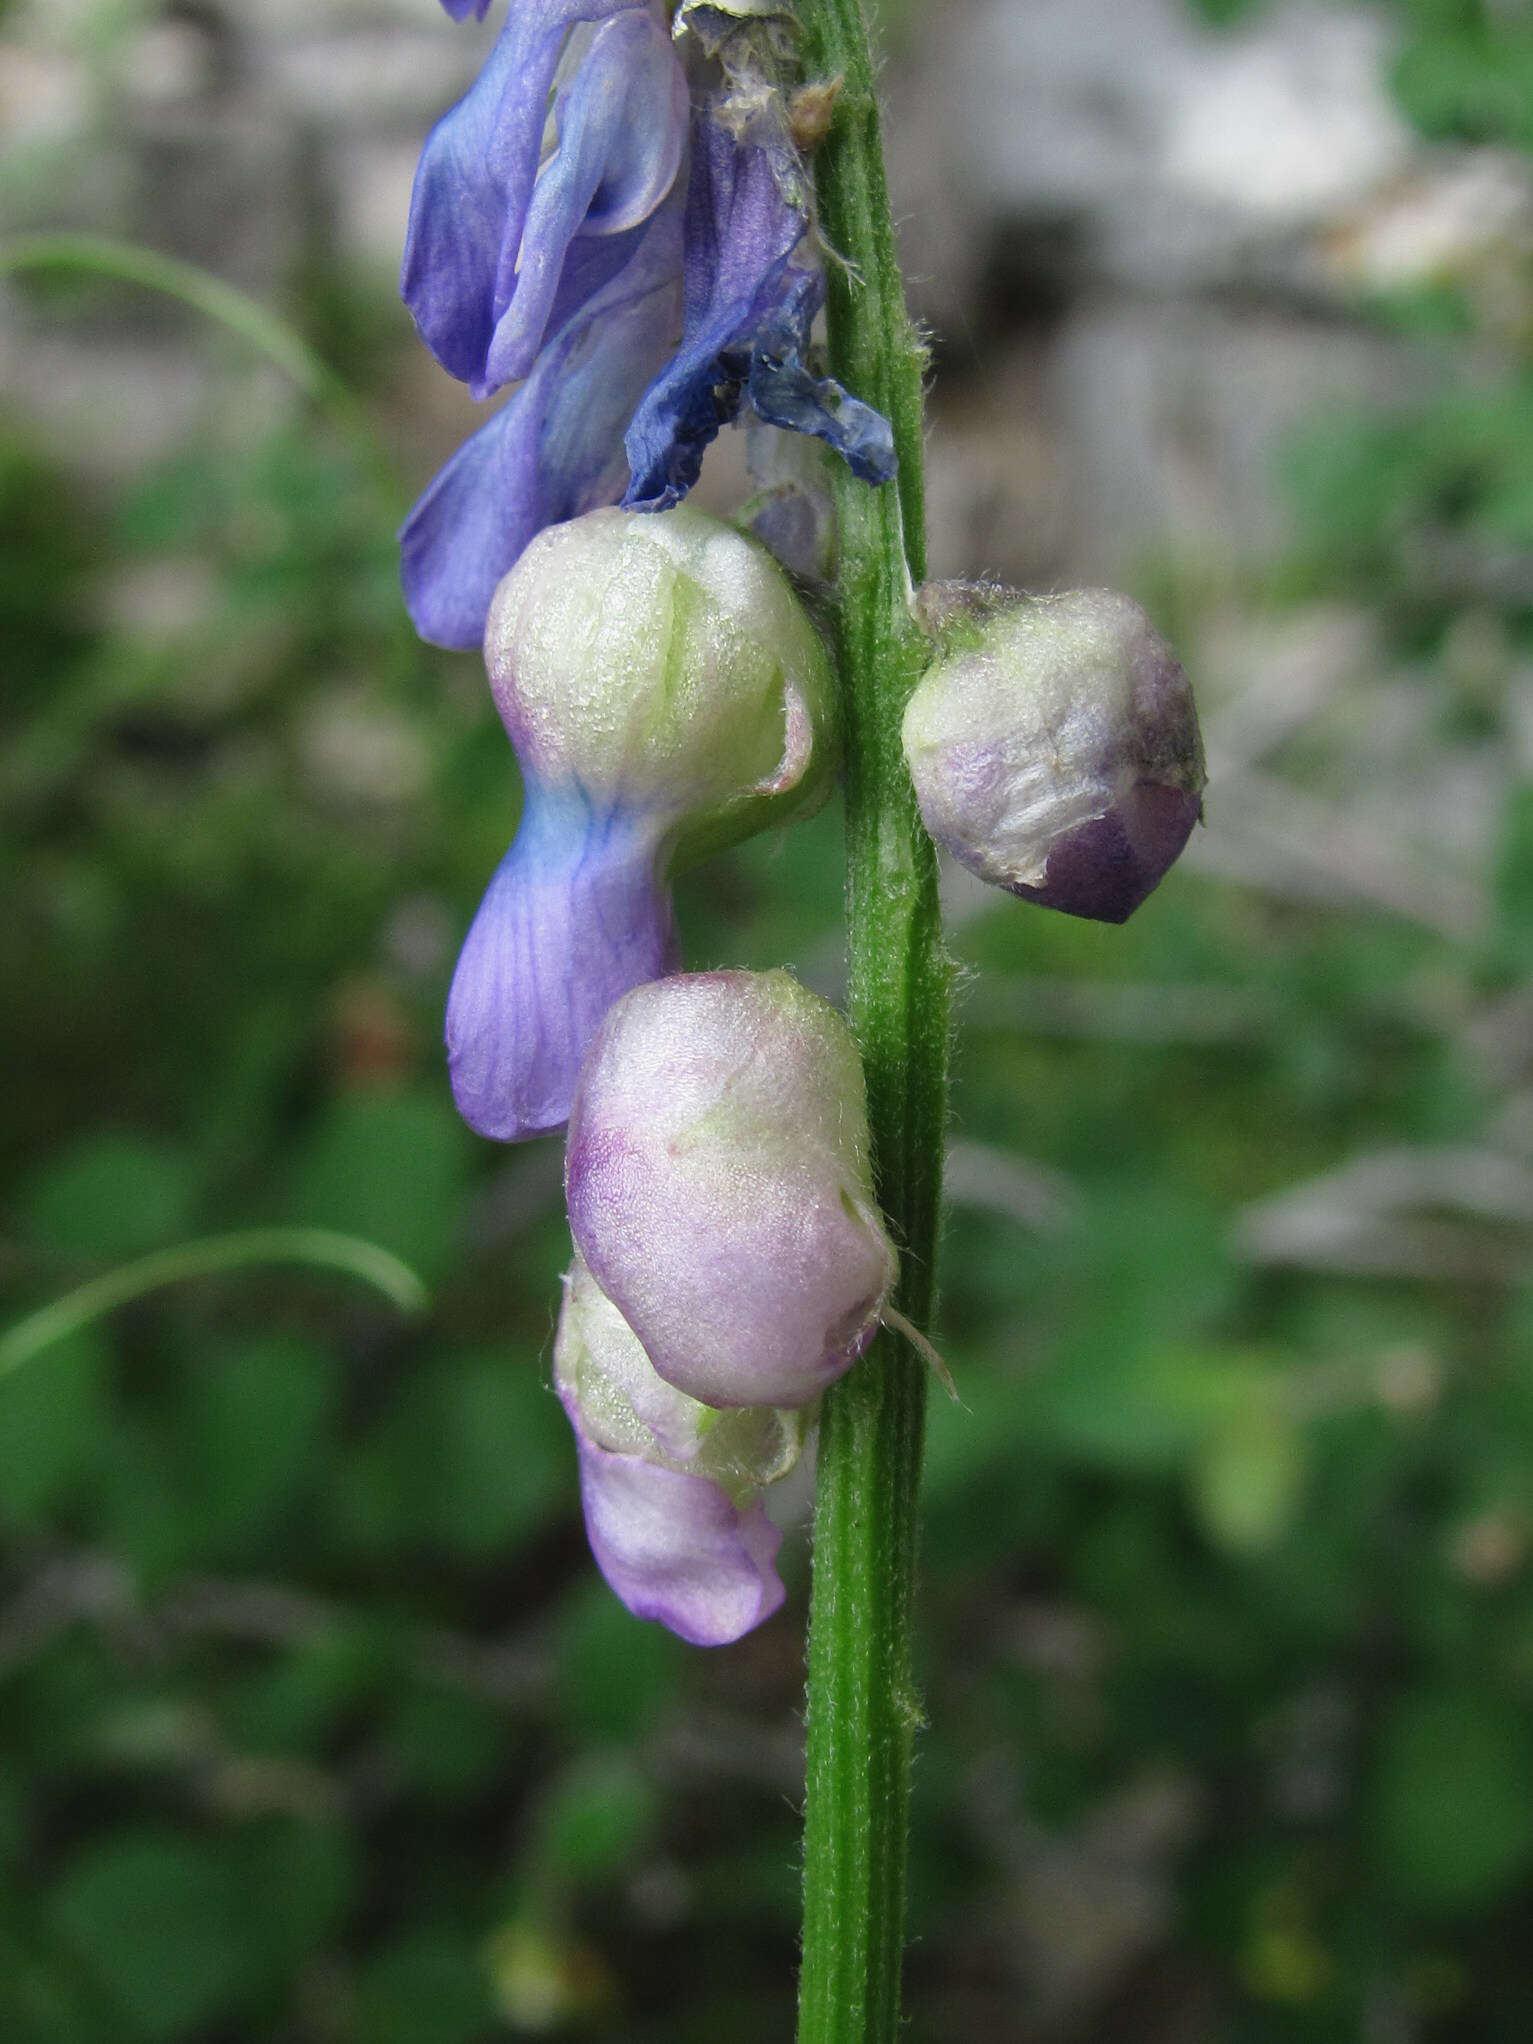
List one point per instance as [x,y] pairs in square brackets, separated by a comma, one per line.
[316,1724]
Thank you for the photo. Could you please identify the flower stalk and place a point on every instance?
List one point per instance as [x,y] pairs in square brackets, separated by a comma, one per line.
[863,1709]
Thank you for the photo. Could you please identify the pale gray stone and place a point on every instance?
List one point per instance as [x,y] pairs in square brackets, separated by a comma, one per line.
[370,180]
[1187,156]
[389,78]
[1173,412]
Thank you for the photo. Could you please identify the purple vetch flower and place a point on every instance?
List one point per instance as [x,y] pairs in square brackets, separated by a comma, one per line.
[665,694]
[751,298]
[719,1187]
[671,1489]
[1054,745]
[554,449]
[490,231]
[638,310]
[460,10]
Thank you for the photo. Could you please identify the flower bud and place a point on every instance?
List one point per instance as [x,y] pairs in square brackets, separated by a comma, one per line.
[718,1186]
[671,1489]
[1054,745]
[666,694]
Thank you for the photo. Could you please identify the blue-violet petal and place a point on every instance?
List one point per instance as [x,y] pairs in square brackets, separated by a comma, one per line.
[573,918]
[553,450]
[475,182]
[622,125]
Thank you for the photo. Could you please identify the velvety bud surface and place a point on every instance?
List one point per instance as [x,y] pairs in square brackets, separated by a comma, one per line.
[617,1399]
[665,694]
[718,1185]
[1054,746]
[677,1548]
[665,664]
[670,1487]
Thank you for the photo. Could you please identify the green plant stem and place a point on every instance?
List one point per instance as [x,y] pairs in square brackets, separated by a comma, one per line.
[862,1706]
[316,1246]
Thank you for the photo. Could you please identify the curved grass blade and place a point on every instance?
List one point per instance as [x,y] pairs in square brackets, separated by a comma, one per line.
[127,262]
[317,1247]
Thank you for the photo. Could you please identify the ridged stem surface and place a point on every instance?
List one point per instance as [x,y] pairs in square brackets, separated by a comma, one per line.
[863,1710]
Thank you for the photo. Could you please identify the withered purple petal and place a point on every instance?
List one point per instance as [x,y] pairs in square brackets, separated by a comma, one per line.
[749,309]
[784,391]
[740,232]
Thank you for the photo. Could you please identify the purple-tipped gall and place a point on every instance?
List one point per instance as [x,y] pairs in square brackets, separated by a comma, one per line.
[718,1183]
[1054,745]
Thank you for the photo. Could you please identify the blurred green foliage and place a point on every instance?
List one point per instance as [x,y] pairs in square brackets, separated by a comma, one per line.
[315,1722]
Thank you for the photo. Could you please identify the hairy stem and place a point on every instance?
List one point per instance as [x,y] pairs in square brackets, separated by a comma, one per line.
[862,1706]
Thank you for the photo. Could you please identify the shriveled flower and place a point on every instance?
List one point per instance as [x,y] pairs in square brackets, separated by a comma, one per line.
[666,695]
[1054,745]
[718,1182]
[753,287]
[544,249]
[671,1489]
